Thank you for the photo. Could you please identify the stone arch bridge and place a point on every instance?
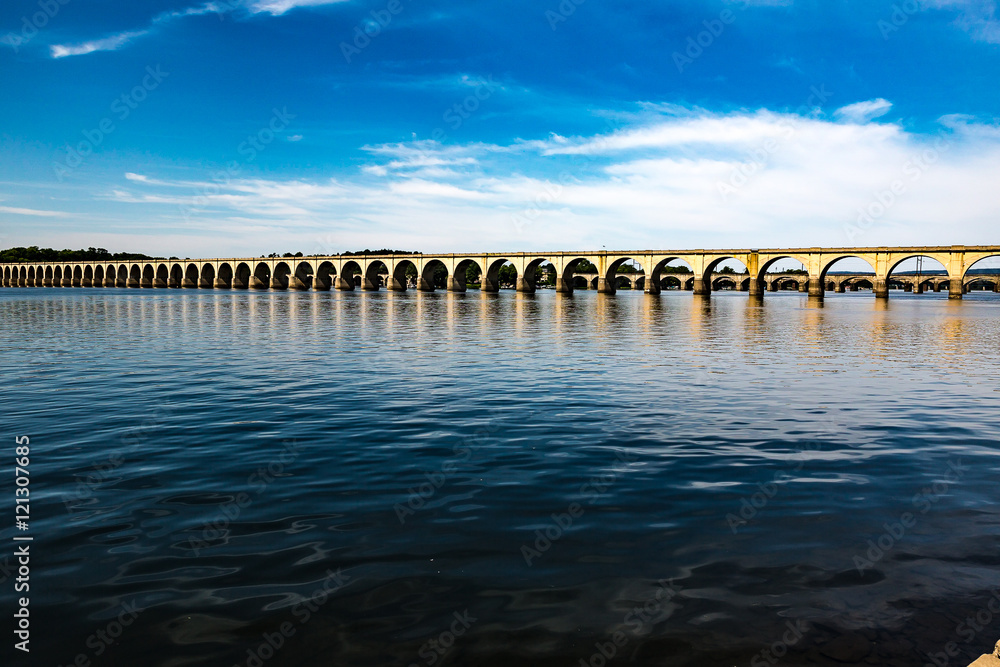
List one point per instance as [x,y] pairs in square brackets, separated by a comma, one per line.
[346,272]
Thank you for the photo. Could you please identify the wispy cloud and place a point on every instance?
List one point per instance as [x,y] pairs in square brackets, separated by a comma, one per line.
[112,43]
[31,211]
[977,17]
[117,41]
[279,7]
[642,192]
[863,112]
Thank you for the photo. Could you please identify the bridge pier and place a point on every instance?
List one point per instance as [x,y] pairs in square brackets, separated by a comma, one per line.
[840,289]
[955,289]
[702,286]
[219,284]
[564,285]
[604,286]
[456,284]
[816,288]
[881,288]
[804,285]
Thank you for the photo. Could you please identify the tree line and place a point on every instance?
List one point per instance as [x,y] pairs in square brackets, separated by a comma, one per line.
[36,254]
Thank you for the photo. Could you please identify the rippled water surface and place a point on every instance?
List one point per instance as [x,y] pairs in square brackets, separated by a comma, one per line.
[351,478]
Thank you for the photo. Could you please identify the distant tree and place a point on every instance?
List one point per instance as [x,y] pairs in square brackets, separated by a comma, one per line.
[36,254]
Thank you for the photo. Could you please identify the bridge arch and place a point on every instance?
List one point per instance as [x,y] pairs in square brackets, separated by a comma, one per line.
[325,274]
[242,276]
[162,275]
[434,275]
[31,276]
[207,280]
[914,282]
[980,263]
[148,275]
[373,275]
[350,275]
[727,282]
[261,278]
[567,282]
[705,279]
[224,280]
[47,278]
[281,277]
[665,276]
[403,272]
[467,271]
[612,278]
[303,276]
[190,280]
[759,282]
[500,273]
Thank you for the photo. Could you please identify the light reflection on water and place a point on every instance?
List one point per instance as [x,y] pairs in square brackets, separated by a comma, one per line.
[745,451]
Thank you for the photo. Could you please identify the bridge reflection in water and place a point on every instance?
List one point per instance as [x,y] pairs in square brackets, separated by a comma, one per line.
[648,270]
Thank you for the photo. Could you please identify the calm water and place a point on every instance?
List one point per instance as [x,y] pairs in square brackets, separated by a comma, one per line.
[474,479]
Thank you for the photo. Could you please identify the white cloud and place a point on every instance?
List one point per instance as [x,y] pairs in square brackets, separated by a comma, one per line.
[752,179]
[112,43]
[863,112]
[117,41]
[977,17]
[294,137]
[32,212]
[279,7]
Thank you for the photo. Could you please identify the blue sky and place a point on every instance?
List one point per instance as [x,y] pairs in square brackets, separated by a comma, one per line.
[252,126]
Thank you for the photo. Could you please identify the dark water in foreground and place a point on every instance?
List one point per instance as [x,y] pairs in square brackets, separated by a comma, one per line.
[362,478]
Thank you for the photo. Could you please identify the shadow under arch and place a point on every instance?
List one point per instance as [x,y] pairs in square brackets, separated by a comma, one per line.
[207,280]
[467,272]
[434,276]
[242,276]
[501,273]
